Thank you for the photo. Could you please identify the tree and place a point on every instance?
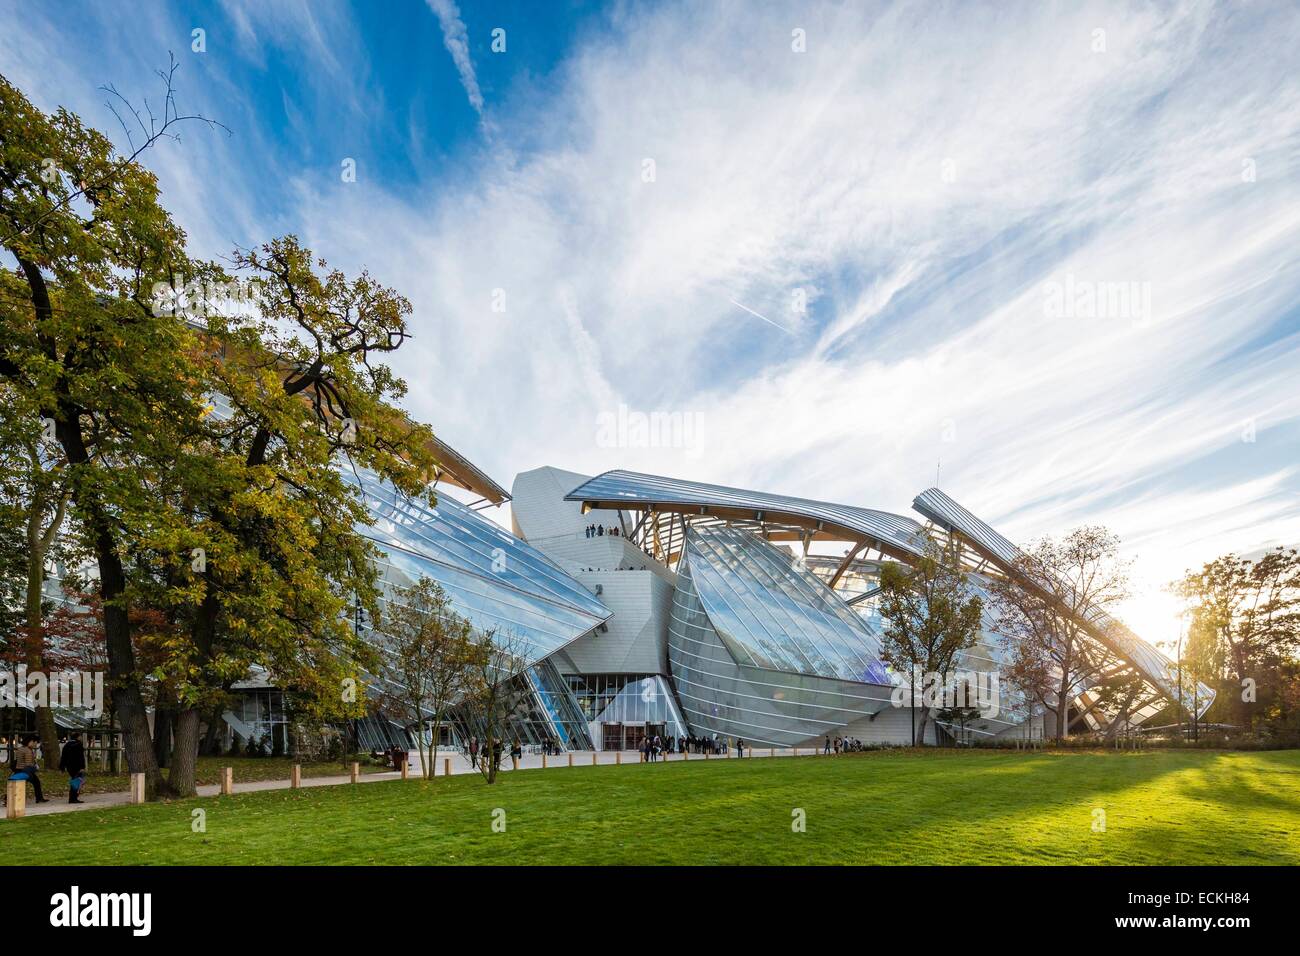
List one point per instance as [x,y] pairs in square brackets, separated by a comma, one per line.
[493,695]
[35,492]
[239,530]
[1116,696]
[930,616]
[959,712]
[265,487]
[83,344]
[1041,605]
[1244,627]
[428,651]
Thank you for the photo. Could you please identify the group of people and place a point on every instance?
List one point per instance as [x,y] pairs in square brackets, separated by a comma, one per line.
[477,751]
[707,745]
[842,745]
[599,531]
[24,765]
[652,748]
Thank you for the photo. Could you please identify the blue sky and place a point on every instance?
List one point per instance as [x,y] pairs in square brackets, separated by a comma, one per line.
[925,179]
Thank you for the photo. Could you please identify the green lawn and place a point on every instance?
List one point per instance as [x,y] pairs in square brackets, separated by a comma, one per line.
[1172,807]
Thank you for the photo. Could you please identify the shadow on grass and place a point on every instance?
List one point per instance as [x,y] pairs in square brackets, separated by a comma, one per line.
[936,807]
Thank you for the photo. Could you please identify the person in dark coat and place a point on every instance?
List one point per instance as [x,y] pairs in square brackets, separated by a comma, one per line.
[72,761]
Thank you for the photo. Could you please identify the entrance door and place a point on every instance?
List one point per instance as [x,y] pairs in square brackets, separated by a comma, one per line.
[613,736]
[632,736]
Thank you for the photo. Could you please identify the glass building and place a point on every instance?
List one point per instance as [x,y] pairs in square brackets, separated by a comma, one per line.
[771,638]
[499,584]
[761,649]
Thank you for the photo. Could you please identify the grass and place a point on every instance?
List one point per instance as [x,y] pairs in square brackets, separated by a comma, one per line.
[1161,807]
[208,771]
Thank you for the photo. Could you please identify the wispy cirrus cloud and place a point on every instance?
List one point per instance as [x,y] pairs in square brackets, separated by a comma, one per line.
[900,198]
[456,38]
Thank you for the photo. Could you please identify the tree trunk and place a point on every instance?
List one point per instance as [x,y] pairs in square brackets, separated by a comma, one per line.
[1062,710]
[35,656]
[112,577]
[181,781]
[127,700]
[923,715]
[208,747]
[162,735]
[434,731]
[1122,716]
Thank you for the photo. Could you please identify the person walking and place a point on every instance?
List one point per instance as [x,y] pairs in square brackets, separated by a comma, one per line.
[25,760]
[72,761]
[827,748]
[740,747]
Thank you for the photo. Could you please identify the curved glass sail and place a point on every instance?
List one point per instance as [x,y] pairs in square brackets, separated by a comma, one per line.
[492,578]
[775,614]
[633,491]
[1152,664]
[738,685]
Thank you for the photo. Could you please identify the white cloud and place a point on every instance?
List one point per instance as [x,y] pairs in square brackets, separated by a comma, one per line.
[826,171]
[456,39]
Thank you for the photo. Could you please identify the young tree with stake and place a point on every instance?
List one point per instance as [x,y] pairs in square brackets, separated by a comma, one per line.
[428,651]
[930,617]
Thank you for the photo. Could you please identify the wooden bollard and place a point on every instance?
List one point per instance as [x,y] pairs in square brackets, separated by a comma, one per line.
[406,769]
[16,799]
[295,777]
[543,761]
[772,752]
[227,781]
[137,788]
[618,756]
[446,767]
[514,762]
[593,758]
[570,758]
[706,755]
[686,755]
[356,771]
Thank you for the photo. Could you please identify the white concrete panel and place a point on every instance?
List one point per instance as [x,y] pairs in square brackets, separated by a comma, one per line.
[636,641]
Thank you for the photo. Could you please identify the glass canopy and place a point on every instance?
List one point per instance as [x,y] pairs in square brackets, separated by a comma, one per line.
[633,491]
[775,614]
[492,578]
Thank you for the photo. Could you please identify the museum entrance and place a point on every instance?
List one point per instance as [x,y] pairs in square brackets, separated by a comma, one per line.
[630,736]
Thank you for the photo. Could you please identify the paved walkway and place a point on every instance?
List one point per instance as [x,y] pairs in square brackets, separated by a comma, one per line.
[459,765]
